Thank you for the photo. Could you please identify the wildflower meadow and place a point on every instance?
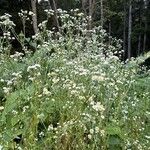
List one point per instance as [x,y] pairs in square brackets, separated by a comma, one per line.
[73,92]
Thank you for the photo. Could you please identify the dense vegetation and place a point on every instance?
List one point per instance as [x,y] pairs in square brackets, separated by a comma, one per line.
[73,92]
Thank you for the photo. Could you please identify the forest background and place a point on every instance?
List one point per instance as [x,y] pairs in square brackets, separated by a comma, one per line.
[128,20]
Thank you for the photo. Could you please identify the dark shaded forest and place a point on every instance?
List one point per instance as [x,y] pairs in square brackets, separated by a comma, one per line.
[128,20]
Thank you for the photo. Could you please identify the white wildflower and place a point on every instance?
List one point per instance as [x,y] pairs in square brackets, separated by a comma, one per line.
[6,90]
[55,80]
[31,13]
[1,108]
[50,127]
[2,80]
[9,82]
[146,136]
[98,107]
[1,147]
[81,97]
[91,131]
[98,78]
[96,129]
[36,66]
[46,92]
[102,132]
[40,116]
[89,136]
[91,98]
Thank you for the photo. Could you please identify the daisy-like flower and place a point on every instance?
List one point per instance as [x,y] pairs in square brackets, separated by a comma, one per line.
[46,92]
[98,107]
[98,78]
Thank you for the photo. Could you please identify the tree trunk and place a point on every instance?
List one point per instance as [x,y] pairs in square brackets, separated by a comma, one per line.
[55,14]
[146,26]
[91,10]
[139,39]
[102,13]
[124,30]
[84,6]
[139,45]
[145,37]
[109,31]
[90,14]
[129,29]
[34,17]
[49,4]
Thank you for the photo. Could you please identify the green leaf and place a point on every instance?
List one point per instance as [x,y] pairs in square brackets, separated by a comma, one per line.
[14,99]
[114,143]
[28,39]
[114,140]
[114,130]
[9,135]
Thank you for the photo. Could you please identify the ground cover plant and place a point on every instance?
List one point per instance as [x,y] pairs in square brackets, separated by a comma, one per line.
[73,92]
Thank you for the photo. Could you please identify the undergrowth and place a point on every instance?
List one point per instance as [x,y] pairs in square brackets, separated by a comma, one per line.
[73,93]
